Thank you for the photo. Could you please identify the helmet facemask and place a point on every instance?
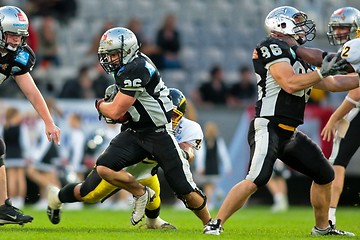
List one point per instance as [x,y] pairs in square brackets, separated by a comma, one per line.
[176,117]
[9,46]
[336,39]
[179,106]
[304,29]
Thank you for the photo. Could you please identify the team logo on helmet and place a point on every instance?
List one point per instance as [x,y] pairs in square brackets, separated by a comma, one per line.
[21,17]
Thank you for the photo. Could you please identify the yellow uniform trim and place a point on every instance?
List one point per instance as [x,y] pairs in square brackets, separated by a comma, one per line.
[286,127]
[153,183]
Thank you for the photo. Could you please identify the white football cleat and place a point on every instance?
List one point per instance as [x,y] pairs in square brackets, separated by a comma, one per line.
[140,205]
[54,205]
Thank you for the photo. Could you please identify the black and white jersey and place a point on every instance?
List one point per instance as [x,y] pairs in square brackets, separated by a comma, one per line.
[16,63]
[273,102]
[141,79]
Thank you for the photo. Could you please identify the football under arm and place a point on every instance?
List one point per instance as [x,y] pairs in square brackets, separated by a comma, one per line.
[118,107]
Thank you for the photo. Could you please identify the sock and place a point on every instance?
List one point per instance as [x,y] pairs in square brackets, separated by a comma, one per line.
[66,194]
[332,217]
[278,198]
[152,213]
[322,229]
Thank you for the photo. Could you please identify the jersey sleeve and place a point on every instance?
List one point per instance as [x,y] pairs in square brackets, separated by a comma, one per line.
[25,61]
[273,50]
[133,77]
[351,53]
[191,133]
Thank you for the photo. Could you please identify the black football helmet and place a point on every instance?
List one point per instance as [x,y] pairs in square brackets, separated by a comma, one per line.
[179,106]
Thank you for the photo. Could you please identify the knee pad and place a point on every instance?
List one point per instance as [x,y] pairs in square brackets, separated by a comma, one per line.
[2,152]
[192,208]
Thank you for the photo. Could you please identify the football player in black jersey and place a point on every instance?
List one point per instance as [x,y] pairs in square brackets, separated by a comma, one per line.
[284,82]
[17,60]
[344,25]
[144,106]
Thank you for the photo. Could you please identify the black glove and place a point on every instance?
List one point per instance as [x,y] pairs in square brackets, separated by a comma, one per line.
[329,66]
[97,106]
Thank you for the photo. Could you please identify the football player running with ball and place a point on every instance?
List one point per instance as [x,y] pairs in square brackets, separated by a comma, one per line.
[147,130]
[94,189]
[285,81]
[16,61]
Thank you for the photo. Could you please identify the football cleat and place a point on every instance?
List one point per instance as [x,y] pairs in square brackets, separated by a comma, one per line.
[54,205]
[140,205]
[213,227]
[12,215]
[331,230]
[158,223]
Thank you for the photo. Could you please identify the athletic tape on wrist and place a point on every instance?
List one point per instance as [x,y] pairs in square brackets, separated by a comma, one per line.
[320,75]
[349,99]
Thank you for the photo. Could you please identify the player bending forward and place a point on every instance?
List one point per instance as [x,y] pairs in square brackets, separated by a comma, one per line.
[94,189]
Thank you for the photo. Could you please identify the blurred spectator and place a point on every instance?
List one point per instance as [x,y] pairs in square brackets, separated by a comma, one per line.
[44,158]
[80,87]
[168,40]
[33,40]
[243,92]
[213,91]
[211,159]
[48,46]
[101,81]
[17,141]
[62,10]
[277,186]
[317,96]
[72,169]
[148,48]
[76,147]
[93,50]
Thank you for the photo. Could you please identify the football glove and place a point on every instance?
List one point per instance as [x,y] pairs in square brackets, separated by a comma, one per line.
[111,92]
[330,66]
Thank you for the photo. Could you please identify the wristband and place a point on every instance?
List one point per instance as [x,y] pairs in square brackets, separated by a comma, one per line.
[319,72]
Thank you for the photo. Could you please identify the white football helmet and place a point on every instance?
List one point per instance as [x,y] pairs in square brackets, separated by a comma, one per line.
[117,40]
[288,20]
[344,17]
[14,21]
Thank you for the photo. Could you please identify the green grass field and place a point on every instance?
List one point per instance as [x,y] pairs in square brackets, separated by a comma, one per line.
[249,223]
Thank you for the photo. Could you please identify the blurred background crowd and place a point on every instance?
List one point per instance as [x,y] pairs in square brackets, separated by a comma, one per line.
[202,47]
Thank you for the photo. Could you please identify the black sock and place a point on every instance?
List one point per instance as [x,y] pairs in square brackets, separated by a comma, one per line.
[66,194]
[152,213]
